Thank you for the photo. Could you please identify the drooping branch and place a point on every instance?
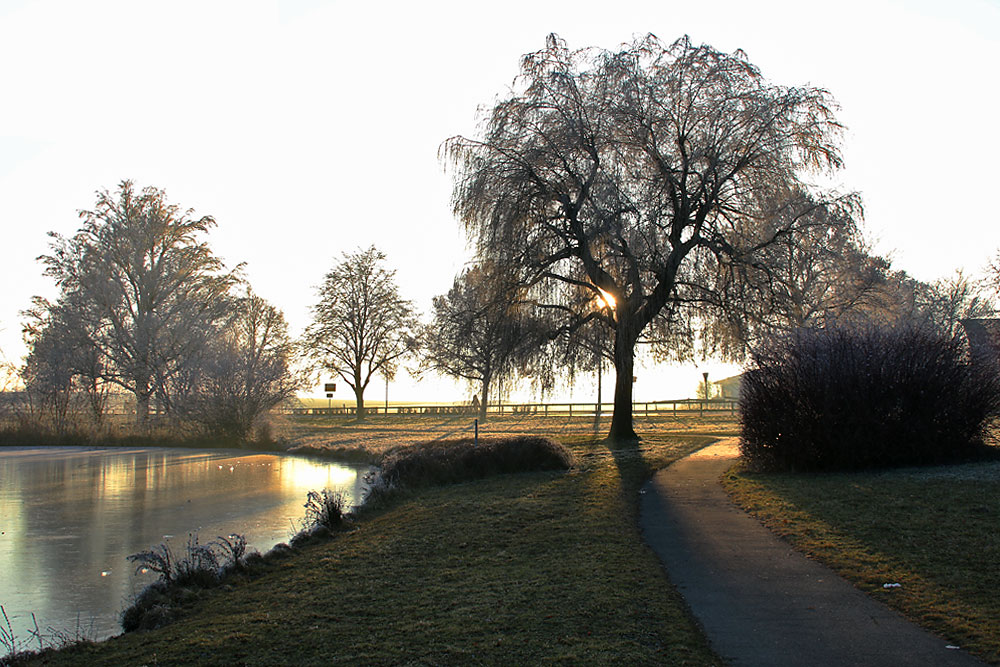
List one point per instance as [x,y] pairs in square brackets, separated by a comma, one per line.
[650,174]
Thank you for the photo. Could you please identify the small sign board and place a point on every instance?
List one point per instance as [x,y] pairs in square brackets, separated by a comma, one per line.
[329,387]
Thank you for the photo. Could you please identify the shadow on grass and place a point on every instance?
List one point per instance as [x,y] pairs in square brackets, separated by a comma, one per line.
[628,457]
[661,442]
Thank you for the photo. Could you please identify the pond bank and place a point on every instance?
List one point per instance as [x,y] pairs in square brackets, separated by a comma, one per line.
[71,515]
[515,568]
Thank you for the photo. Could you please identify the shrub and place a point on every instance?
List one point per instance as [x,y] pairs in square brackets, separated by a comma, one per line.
[863,397]
[324,509]
[151,609]
[200,566]
[451,461]
[232,550]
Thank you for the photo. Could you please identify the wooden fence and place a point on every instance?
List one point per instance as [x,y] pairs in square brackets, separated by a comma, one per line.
[642,408]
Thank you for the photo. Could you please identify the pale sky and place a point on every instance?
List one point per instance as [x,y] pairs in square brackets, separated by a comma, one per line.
[309,128]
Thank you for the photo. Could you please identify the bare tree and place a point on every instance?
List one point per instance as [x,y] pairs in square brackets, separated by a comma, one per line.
[820,275]
[361,324]
[992,277]
[246,370]
[479,332]
[8,379]
[647,174]
[62,359]
[946,302]
[144,286]
[48,369]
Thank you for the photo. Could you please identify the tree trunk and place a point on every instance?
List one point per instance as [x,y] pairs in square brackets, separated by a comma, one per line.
[141,409]
[621,420]
[359,401]
[142,396]
[485,400]
[97,399]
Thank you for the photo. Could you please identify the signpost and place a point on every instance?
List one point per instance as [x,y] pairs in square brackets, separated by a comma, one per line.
[705,375]
[329,388]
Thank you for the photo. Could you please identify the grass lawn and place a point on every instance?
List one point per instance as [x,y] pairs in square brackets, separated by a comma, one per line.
[934,531]
[517,569]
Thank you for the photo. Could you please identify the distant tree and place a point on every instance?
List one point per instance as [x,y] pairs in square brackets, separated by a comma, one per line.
[8,379]
[60,348]
[940,305]
[48,369]
[62,366]
[143,286]
[649,174]
[360,324]
[821,275]
[992,279]
[246,370]
[705,391]
[946,302]
[480,332]
[896,298]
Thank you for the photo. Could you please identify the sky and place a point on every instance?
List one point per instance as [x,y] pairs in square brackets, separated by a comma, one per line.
[310,128]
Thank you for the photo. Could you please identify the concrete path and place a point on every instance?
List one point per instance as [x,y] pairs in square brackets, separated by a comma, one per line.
[759,601]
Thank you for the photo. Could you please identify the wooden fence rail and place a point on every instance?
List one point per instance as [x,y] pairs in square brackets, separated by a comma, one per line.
[644,408]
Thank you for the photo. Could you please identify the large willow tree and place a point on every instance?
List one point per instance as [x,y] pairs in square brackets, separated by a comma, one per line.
[652,174]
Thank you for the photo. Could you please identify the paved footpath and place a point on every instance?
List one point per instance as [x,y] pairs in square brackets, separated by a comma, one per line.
[759,601]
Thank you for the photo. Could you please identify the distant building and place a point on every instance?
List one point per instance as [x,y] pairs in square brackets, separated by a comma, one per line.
[730,387]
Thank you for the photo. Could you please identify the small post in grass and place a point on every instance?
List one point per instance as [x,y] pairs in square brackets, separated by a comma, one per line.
[329,388]
[475,423]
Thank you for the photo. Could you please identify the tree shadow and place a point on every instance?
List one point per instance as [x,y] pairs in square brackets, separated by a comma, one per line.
[628,457]
[596,426]
[625,451]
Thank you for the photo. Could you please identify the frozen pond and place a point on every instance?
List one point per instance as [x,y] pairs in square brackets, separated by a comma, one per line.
[70,515]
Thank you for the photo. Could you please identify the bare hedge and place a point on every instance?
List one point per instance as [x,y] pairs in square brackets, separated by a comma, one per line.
[853,397]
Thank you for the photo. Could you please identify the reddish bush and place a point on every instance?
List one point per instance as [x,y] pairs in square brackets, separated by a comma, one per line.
[863,397]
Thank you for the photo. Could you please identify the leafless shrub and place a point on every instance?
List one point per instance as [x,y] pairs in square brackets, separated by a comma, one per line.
[324,508]
[158,558]
[201,563]
[378,487]
[201,566]
[850,397]
[232,548]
